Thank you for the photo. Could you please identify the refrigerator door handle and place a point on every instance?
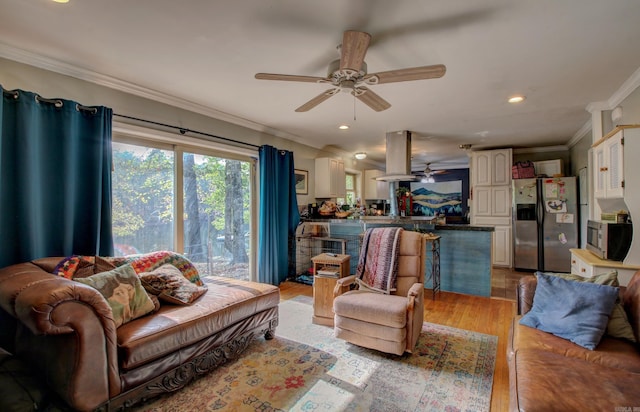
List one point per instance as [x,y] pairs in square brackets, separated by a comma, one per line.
[540,207]
[540,212]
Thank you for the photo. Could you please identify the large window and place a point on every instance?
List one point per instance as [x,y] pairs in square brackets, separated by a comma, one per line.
[351,189]
[213,195]
[350,185]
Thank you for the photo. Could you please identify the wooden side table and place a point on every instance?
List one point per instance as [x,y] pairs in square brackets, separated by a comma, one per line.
[327,270]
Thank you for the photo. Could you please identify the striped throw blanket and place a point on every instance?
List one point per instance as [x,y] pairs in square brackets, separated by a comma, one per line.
[378,260]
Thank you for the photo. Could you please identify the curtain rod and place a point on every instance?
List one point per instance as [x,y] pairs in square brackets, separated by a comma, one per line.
[184,130]
[56,102]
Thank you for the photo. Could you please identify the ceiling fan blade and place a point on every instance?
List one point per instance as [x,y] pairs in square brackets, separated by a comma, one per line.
[317,100]
[288,77]
[368,97]
[354,47]
[403,75]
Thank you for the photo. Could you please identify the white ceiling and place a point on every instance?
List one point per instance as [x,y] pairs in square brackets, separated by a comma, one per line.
[561,54]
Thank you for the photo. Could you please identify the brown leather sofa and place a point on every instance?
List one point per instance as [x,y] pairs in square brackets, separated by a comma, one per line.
[548,373]
[63,330]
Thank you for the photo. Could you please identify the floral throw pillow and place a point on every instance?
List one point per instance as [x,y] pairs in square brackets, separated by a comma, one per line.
[168,283]
[123,291]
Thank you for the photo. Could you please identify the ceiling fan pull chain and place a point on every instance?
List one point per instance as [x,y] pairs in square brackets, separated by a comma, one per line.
[354,107]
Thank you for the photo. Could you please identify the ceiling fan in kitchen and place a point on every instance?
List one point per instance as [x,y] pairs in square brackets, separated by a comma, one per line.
[427,174]
[349,74]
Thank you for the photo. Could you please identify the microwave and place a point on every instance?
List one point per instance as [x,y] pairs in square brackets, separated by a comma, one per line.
[609,240]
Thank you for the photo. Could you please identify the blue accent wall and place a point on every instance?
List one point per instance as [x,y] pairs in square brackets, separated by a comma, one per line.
[465,261]
[465,255]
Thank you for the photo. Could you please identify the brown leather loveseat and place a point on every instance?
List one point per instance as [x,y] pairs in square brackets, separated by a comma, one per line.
[63,330]
[549,373]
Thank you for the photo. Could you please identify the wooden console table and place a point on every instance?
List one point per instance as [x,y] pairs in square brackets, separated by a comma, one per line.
[327,269]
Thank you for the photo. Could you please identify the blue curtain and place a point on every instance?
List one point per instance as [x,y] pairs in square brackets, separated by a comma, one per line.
[55,178]
[278,214]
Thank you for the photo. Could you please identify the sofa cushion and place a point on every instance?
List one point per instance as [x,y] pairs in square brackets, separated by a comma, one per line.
[608,278]
[611,352]
[576,311]
[174,327]
[76,266]
[385,310]
[170,286]
[618,325]
[123,291]
[546,381]
[631,303]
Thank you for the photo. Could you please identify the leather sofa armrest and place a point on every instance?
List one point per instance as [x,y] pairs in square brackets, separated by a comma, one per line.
[343,284]
[525,292]
[32,297]
[44,305]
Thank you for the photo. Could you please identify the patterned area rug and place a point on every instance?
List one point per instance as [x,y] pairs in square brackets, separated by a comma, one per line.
[306,369]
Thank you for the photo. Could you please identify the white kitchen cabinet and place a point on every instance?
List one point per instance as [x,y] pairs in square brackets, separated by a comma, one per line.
[502,246]
[492,201]
[491,167]
[585,263]
[330,178]
[580,267]
[501,201]
[375,189]
[608,160]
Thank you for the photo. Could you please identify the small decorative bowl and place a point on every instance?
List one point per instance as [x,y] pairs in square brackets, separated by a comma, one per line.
[343,214]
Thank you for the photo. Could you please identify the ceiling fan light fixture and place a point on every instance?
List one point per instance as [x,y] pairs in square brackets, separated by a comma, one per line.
[360,155]
[516,99]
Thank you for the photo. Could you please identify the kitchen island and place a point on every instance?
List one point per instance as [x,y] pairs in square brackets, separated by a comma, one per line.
[465,250]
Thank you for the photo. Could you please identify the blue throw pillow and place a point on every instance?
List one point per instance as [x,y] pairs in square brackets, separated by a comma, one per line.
[576,311]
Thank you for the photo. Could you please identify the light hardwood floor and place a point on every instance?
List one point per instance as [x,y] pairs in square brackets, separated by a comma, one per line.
[485,315]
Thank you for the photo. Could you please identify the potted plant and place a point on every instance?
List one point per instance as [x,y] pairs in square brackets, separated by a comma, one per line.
[404,200]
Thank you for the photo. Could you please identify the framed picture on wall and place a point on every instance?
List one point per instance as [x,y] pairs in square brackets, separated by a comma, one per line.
[444,198]
[302,182]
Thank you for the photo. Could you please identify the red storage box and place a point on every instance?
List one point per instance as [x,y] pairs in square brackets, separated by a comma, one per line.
[523,170]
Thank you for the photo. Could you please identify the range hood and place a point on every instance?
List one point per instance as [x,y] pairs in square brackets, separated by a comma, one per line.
[398,158]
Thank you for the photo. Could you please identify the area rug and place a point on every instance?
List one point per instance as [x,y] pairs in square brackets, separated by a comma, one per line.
[304,368]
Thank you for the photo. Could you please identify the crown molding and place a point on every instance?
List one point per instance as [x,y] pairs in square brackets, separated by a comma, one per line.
[597,106]
[628,87]
[57,66]
[543,149]
[582,132]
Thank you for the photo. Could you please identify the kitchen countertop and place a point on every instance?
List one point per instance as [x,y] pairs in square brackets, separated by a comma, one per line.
[423,221]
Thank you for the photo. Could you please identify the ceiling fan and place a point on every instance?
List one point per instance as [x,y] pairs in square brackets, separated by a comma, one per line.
[349,74]
[428,172]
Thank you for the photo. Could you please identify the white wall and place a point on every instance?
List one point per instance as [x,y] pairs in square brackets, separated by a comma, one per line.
[14,75]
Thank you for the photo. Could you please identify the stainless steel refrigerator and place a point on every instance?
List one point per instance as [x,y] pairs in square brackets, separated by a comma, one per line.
[545,223]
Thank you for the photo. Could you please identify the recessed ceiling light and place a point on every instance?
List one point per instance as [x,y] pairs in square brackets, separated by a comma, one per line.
[360,155]
[61,1]
[343,127]
[516,99]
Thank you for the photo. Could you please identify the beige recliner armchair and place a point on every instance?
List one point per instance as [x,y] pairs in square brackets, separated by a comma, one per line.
[388,323]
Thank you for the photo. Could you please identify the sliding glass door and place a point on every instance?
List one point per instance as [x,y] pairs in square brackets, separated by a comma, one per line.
[188,201]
